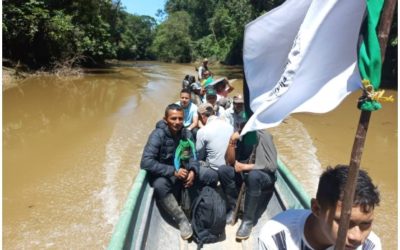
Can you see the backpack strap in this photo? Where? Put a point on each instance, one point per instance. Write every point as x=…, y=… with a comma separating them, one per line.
x=194, y=210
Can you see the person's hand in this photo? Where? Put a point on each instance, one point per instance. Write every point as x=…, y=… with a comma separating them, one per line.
x=181, y=174
x=238, y=167
x=190, y=179
x=235, y=136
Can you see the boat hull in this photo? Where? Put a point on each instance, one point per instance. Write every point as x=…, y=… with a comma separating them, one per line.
x=143, y=226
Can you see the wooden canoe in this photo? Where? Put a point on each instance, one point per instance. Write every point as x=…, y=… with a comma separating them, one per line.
x=141, y=225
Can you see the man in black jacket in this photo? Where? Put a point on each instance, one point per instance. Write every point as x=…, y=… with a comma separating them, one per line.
x=158, y=158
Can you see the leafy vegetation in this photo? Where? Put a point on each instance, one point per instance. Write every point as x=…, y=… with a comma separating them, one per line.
x=44, y=33
x=172, y=42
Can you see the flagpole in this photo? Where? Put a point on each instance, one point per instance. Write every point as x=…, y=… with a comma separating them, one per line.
x=359, y=140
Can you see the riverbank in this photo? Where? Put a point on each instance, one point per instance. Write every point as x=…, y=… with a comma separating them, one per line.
x=13, y=74
x=11, y=77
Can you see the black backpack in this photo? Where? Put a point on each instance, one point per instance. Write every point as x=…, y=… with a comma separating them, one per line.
x=208, y=216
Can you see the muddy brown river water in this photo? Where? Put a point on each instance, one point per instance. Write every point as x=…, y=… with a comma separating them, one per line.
x=72, y=147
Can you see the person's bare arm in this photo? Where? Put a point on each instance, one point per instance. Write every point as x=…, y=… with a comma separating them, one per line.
x=240, y=167
x=230, y=155
x=195, y=122
x=200, y=124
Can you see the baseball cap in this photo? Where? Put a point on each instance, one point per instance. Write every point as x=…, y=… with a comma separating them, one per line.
x=238, y=99
x=211, y=91
x=203, y=107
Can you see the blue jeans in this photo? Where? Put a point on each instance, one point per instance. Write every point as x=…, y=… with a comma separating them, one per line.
x=258, y=181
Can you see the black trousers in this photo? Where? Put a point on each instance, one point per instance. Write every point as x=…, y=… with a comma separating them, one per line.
x=166, y=185
x=257, y=181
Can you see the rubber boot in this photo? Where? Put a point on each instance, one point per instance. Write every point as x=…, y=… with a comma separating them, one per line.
x=171, y=206
x=250, y=209
x=230, y=193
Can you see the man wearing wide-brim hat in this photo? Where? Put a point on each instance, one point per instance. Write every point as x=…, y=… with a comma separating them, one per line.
x=223, y=86
x=235, y=115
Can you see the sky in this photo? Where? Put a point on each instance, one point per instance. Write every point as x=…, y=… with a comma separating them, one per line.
x=143, y=7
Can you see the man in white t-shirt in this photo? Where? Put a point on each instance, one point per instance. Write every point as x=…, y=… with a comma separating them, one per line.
x=213, y=138
x=211, y=145
x=317, y=229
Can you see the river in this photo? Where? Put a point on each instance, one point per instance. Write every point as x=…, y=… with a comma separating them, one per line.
x=72, y=147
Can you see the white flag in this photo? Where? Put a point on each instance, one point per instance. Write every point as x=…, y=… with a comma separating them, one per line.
x=301, y=57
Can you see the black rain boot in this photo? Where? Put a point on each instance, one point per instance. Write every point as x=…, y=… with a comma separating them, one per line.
x=230, y=193
x=171, y=206
x=250, y=209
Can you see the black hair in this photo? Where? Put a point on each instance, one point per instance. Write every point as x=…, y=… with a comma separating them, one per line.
x=172, y=106
x=185, y=90
x=332, y=184
x=191, y=79
x=221, y=84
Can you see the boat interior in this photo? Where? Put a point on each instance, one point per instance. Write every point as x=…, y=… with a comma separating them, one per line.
x=151, y=229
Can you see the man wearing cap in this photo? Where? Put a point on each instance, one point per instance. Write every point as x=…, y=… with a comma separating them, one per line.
x=235, y=114
x=211, y=145
x=211, y=97
x=224, y=102
x=203, y=68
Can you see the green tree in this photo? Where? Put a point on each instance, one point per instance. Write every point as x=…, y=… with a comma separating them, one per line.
x=172, y=40
x=199, y=11
x=42, y=32
x=137, y=34
x=22, y=23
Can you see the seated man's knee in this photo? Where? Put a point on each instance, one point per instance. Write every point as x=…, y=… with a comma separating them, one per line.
x=258, y=181
x=162, y=186
x=253, y=176
x=226, y=172
x=208, y=177
x=226, y=175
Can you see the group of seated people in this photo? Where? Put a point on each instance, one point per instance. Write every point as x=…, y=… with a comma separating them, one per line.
x=214, y=94
x=219, y=157
x=205, y=80
x=232, y=113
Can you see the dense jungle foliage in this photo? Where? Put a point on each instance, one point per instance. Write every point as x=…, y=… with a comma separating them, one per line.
x=47, y=33
x=44, y=33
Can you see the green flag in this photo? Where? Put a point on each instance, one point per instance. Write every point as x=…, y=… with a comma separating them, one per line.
x=369, y=61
